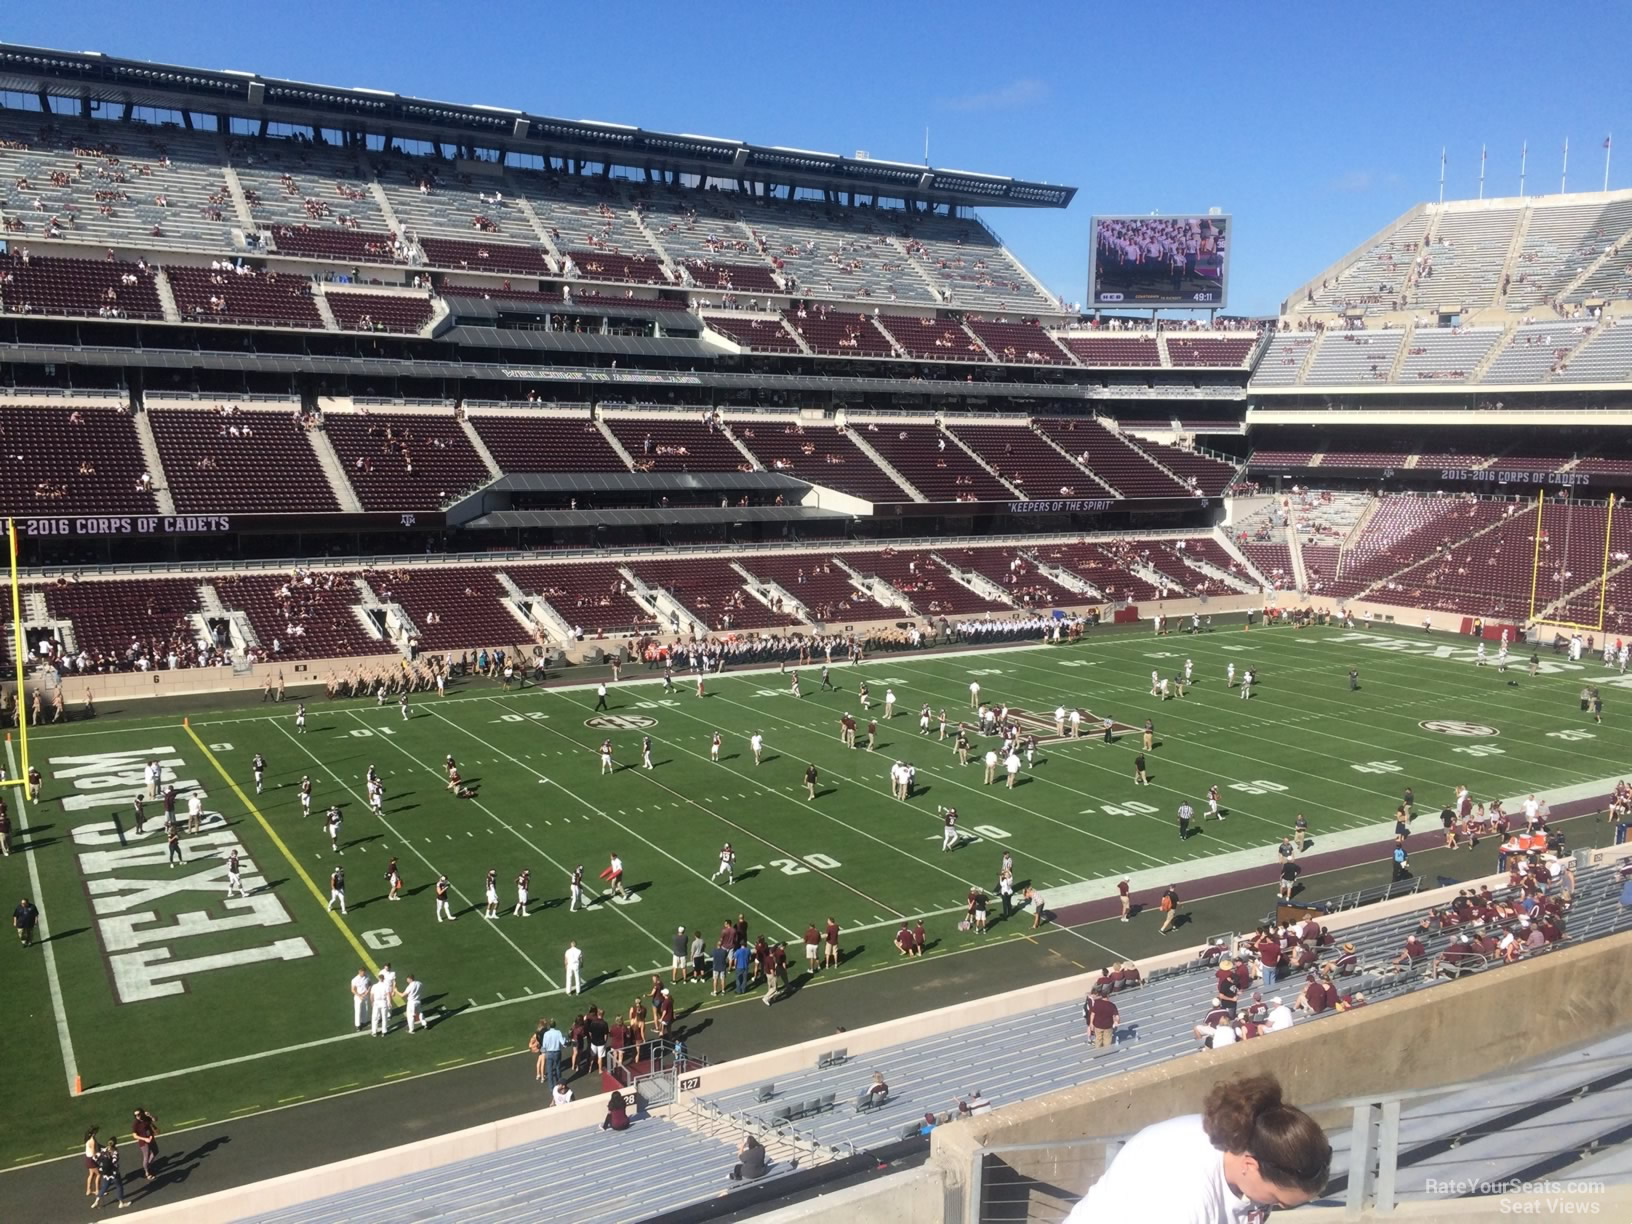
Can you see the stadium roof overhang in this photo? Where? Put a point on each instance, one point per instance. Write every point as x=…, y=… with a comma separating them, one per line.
x=95, y=77
x=499, y=520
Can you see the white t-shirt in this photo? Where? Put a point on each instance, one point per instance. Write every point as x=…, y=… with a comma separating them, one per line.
x=1279, y=1018
x=1169, y=1172
x=574, y=957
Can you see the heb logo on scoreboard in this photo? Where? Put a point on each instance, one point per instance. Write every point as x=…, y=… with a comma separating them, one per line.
x=143, y=918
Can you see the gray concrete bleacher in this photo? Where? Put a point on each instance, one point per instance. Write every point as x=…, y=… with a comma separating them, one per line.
x=160, y=185
x=1352, y=358
x=1509, y=1128
x=1283, y=359
x=1376, y=279
x=1561, y=242
x=1463, y=261
x=588, y=1177
x=1605, y=357
x=1446, y=354
x=1534, y=350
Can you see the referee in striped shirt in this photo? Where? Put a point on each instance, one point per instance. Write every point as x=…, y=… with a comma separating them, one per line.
x=1186, y=812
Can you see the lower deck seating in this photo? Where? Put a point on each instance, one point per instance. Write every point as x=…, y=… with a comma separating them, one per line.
x=593, y=597
x=452, y=608
x=925, y=581
x=301, y=616
x=715, y=592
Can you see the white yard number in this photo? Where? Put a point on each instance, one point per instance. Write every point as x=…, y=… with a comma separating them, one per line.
x=984, y=671
x=1481, y=750
x=220, y=747
x=1257, y=787
x=793, y=867
x=1076, y=663
x=661, y=702
x=1237, y=649
x=1131, y=808
x=362, y=732
x=1378, y=767
x=533, y=717
x=1571, y=736
x=382, y=939
x=991, y=831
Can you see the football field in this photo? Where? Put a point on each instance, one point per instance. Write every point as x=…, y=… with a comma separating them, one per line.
x=155, y=989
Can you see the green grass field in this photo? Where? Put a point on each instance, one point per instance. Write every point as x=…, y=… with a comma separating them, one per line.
x=158, y=991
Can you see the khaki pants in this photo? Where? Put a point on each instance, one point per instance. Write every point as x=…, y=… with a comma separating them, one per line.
x=1103, y=1036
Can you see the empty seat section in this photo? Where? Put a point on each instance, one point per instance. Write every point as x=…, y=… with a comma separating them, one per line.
x=936, y=467
x=592, y=596
x=378, y=312
x=547, y=444
x=817, y=582
x=838, y=333
x=453, y=608
x=1102, y=350
x=103, y=288
x=1023, y=343
x=673, y=443
x=242, y=462
x=712, y=590
x=1016, y=574
x=933, y=339
x=1027, y=461
x=1223, y=352
x=822, y=455
x=70, y=461
x=925, y=581
x=1107, y=456
x=403, y=461
x=760, y=335
x=263, y=299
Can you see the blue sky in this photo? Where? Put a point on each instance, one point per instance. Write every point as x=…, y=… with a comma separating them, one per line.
x=1313, y=124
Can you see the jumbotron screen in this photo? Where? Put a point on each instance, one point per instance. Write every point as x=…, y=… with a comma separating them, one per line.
x=1157, y=262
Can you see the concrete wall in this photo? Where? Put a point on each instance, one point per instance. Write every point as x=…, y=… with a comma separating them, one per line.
x=1439, y=1036
x=300, y=676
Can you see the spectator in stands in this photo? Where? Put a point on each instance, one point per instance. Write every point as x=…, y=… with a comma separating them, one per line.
x=1247, y=1149
x=617, y=1113
x=1279, y=1017
x=751, y=1162
x=876, y=1093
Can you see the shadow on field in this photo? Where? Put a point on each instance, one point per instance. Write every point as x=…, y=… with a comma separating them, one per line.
x=175, y=1170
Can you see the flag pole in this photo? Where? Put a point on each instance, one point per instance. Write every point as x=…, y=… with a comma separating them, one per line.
x=1608, y=141
x=1564, y=174
x=1442, y=174
x=1481, y=172
x=1524, y=160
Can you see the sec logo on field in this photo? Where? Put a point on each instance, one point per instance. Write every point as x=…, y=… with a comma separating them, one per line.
x=1450, y=726
x=620, y=722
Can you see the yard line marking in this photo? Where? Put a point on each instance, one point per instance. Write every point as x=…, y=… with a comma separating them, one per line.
x=450, y=1062
x=502, y=1050
x=408, y=844
x=33, y=1155
x=243, y=1109
x=311, y=885
x=395, y=1074
x=195, y=1121
x=299, y=1096
x=65, y=1042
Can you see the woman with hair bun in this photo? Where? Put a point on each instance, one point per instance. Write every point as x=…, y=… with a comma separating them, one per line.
x=1246, y=1154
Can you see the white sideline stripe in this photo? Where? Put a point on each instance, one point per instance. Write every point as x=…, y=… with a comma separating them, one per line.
x=642, y=974
x=69, y=1063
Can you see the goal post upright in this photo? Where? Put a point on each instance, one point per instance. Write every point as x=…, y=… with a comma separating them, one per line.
x=1535, y=557
x=1603, y=578
x=18, y=646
